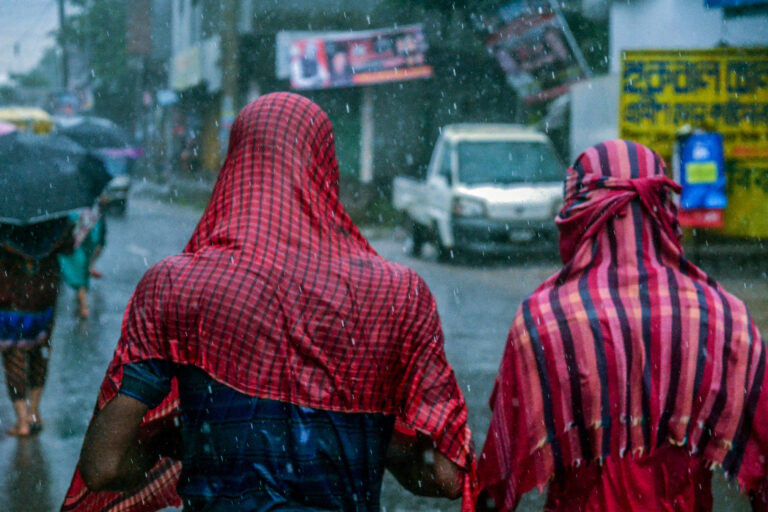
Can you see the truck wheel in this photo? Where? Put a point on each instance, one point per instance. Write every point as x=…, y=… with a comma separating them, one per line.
x=444, y=254
x=118, y=207
x=417, y=240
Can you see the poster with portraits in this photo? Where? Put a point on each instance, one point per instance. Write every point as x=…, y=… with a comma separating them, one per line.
x=359, y=58
x=531, y=44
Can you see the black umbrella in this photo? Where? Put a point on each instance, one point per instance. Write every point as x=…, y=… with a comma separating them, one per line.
x=46, y=177
x=36, y=240
x=94, y=133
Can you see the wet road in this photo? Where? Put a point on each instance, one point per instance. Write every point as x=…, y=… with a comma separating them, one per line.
x=477, y=301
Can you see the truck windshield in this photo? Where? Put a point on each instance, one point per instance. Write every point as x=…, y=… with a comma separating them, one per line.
x=508, y=162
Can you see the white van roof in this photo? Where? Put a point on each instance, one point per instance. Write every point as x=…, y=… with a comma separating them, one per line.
x=492, y=131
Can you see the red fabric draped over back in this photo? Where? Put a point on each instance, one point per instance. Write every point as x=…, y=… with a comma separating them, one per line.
x=628, y=347
x=279, y=296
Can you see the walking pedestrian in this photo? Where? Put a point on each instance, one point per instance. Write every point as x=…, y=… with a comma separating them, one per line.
x=77, y=267
x=299, y=361
x=29, y=284
x=630, y=373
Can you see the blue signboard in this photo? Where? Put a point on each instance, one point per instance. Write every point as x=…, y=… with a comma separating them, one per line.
x=702, y=172
x=734, y=3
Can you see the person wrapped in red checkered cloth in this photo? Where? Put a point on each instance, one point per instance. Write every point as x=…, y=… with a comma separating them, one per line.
x=278, y=361
x=630, y=373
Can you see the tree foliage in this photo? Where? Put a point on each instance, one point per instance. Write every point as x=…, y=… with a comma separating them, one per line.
x=98, y=30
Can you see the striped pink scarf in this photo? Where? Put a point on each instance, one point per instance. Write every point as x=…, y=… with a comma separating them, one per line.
x=628, y=347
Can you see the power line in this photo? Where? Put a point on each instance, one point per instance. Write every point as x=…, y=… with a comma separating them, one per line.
x=64, y=56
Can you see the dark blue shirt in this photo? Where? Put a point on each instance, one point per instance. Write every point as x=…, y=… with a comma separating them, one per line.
x=247, y=453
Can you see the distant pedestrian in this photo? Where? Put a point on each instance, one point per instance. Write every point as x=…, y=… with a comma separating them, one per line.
x=300, y=363
x=29, y=284
x=630, y=373
x=77, y=267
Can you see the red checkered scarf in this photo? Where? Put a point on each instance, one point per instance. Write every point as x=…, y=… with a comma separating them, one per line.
x=278, y=295
x=628, y=346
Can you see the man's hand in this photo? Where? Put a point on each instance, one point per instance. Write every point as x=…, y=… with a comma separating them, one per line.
x=114, y=457
x=422, y=469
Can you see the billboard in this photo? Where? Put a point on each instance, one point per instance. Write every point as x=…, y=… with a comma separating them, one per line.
x=734, y=3
x=722, y=90
x=534, y=48
x=359, y=58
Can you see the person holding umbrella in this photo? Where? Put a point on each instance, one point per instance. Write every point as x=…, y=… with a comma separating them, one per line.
x=42, y=179
x=110, y=143
x=28, y=290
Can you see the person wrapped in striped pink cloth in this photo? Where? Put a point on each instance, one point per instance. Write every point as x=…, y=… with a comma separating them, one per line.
x=629, y=374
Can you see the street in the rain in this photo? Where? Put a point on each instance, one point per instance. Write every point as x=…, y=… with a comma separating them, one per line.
x=477, y=299
x=470, y=140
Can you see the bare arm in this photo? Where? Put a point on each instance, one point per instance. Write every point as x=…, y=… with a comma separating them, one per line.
x=115, y=455
x=421, y=469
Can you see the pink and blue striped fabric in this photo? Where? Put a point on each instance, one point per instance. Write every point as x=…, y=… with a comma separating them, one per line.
x=628, y=347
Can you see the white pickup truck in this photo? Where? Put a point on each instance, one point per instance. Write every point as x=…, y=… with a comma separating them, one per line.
x=489, y=188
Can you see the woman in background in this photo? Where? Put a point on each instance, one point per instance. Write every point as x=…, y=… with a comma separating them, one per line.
x=77, y=268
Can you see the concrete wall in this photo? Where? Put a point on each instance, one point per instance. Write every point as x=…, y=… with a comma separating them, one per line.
x=679, y=24
x=185, y=27
x=594, y=113
x=162, y=10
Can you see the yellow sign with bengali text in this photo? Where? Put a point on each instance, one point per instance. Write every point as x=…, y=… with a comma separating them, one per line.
x=747, y=211
x=722, y=90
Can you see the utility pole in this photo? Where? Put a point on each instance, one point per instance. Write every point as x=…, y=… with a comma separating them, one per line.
x=64, y=55
x=230, y=67
x=366, y=135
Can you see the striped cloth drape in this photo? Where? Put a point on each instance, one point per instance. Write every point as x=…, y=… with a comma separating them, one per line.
x=628, y=347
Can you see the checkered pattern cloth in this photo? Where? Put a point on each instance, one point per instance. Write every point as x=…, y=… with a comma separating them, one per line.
x=628, y=347
x=279, y=296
